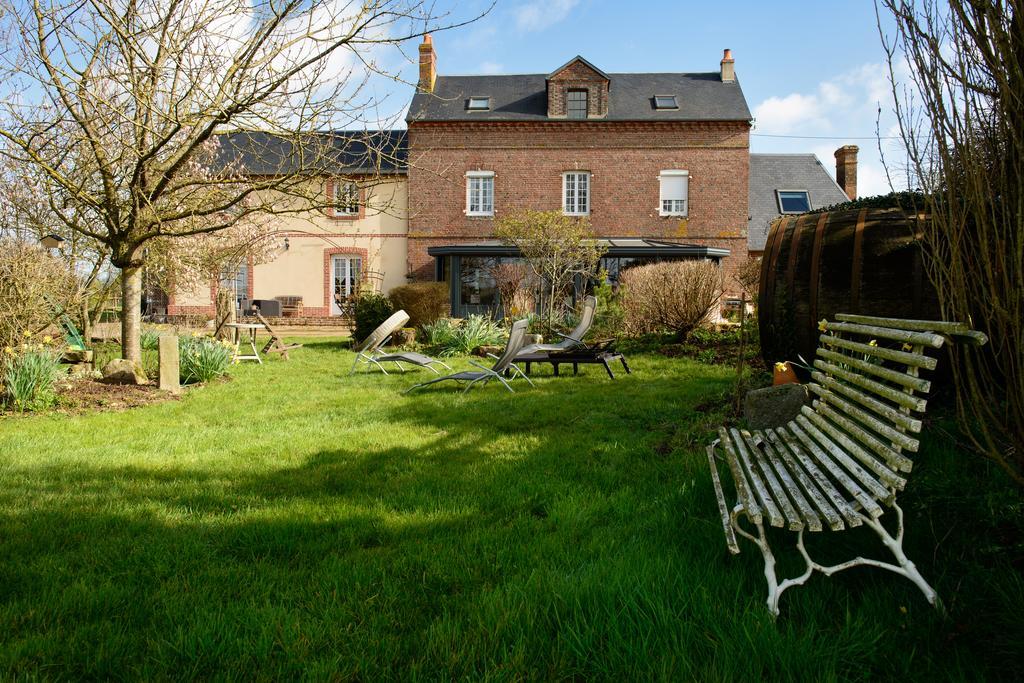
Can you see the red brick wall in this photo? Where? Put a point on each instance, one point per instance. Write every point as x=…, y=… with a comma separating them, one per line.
x=528, y=160
x=578, y=76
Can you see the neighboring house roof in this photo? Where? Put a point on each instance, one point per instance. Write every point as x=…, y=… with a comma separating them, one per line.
x=337, y=152
x=770, y=173
x=701, y=97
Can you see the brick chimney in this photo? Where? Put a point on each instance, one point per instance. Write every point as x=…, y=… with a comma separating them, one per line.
x=728, y=67
x=846, y=169
x=428, y=65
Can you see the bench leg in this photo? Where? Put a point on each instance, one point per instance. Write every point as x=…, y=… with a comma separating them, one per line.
x=895, y=545
x=904, y=566
x=775, y=589
x=608, y=368
x=624, y=365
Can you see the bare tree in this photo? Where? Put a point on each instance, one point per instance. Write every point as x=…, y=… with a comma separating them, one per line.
x=139, y=113
x=961, y=116
x=26, y=215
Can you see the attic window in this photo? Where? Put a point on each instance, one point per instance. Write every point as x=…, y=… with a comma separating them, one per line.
x=794, y=201
x=665, y=102
x=478, y=104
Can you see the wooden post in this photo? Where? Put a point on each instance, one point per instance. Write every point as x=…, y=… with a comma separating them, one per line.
x=169, y=372
x=741, y=359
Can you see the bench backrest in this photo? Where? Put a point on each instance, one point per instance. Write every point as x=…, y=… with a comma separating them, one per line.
x=869, y=392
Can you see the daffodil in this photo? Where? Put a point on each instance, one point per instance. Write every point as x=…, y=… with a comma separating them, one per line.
x=8, y=350
x=908, y=347
x=27, y=334
x=780, y=367
x=822, y=325
x=47, y=339
x=873, y=342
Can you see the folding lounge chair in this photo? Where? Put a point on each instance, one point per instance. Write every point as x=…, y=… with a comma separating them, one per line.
x=370, y=351
x=569, y=341
x=503, y=363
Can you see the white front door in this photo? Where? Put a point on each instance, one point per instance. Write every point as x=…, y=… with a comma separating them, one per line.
x=345, y=272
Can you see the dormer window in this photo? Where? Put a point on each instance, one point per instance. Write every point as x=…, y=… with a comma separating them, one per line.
x=665, y=102
x=478, y=104
x=576, y=104
x=794, y=201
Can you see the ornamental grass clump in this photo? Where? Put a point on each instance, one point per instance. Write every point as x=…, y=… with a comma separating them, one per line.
x=149, y=338
x=202, y=359
x=450, y=338
x=29, y=374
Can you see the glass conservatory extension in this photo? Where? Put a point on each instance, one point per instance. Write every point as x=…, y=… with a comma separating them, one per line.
x=467, y=268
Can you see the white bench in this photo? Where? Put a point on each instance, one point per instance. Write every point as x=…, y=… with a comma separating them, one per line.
x=842, y=461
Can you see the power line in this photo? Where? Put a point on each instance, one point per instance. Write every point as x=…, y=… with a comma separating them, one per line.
x=827, y=137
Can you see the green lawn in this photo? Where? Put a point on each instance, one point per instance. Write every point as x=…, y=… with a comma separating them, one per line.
x=296, y=522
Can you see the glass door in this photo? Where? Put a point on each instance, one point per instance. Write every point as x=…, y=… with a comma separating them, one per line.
x=345, y=273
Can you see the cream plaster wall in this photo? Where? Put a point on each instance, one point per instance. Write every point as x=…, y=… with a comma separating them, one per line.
x=378, y=235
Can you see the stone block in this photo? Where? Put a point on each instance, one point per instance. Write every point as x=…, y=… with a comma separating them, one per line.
x=121, y=371
x=169, y=364
x=774, y=406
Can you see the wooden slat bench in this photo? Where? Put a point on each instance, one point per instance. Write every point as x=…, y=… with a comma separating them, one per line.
x=842, y=461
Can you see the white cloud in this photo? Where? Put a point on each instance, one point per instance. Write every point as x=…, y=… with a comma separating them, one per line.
x=843, y=109
x=490, y=68
x=781, y=115
x=537, y=15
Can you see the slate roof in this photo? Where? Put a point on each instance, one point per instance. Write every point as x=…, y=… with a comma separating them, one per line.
x=701, y=97
x=772, y=172
x=337, y=152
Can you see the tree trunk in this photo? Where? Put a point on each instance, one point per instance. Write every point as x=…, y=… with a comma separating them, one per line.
x=131, y=313
x=86, y=321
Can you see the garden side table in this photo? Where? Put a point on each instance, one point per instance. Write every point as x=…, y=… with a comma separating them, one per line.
x=240, y=330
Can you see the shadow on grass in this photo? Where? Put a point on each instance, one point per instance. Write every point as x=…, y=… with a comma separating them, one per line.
x=531, y=535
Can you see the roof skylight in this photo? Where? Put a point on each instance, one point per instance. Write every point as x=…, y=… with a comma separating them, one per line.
x=794, y=201
x=480, y=103
x=665, y=102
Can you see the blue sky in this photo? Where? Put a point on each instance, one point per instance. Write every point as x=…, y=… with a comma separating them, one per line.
x=808, y=68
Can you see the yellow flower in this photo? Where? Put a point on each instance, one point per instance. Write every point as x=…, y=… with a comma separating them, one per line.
x=27, y=334
x=873, y=342
x=8, y=350
x=908, y=347
x=47, y=339
x=822, y=325
x=780, y=367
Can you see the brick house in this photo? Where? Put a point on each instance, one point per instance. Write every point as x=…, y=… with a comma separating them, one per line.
x=322, y=255
x=659, y=163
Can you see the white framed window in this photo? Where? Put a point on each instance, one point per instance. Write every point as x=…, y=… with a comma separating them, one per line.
x=674, y=193
x=346, y=198
x=576, y=193
x=794, y=201
x=478, y=103
x=346, y=273
x=480, y=193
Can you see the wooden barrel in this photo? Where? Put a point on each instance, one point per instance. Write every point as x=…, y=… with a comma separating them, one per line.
x=865, y=261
